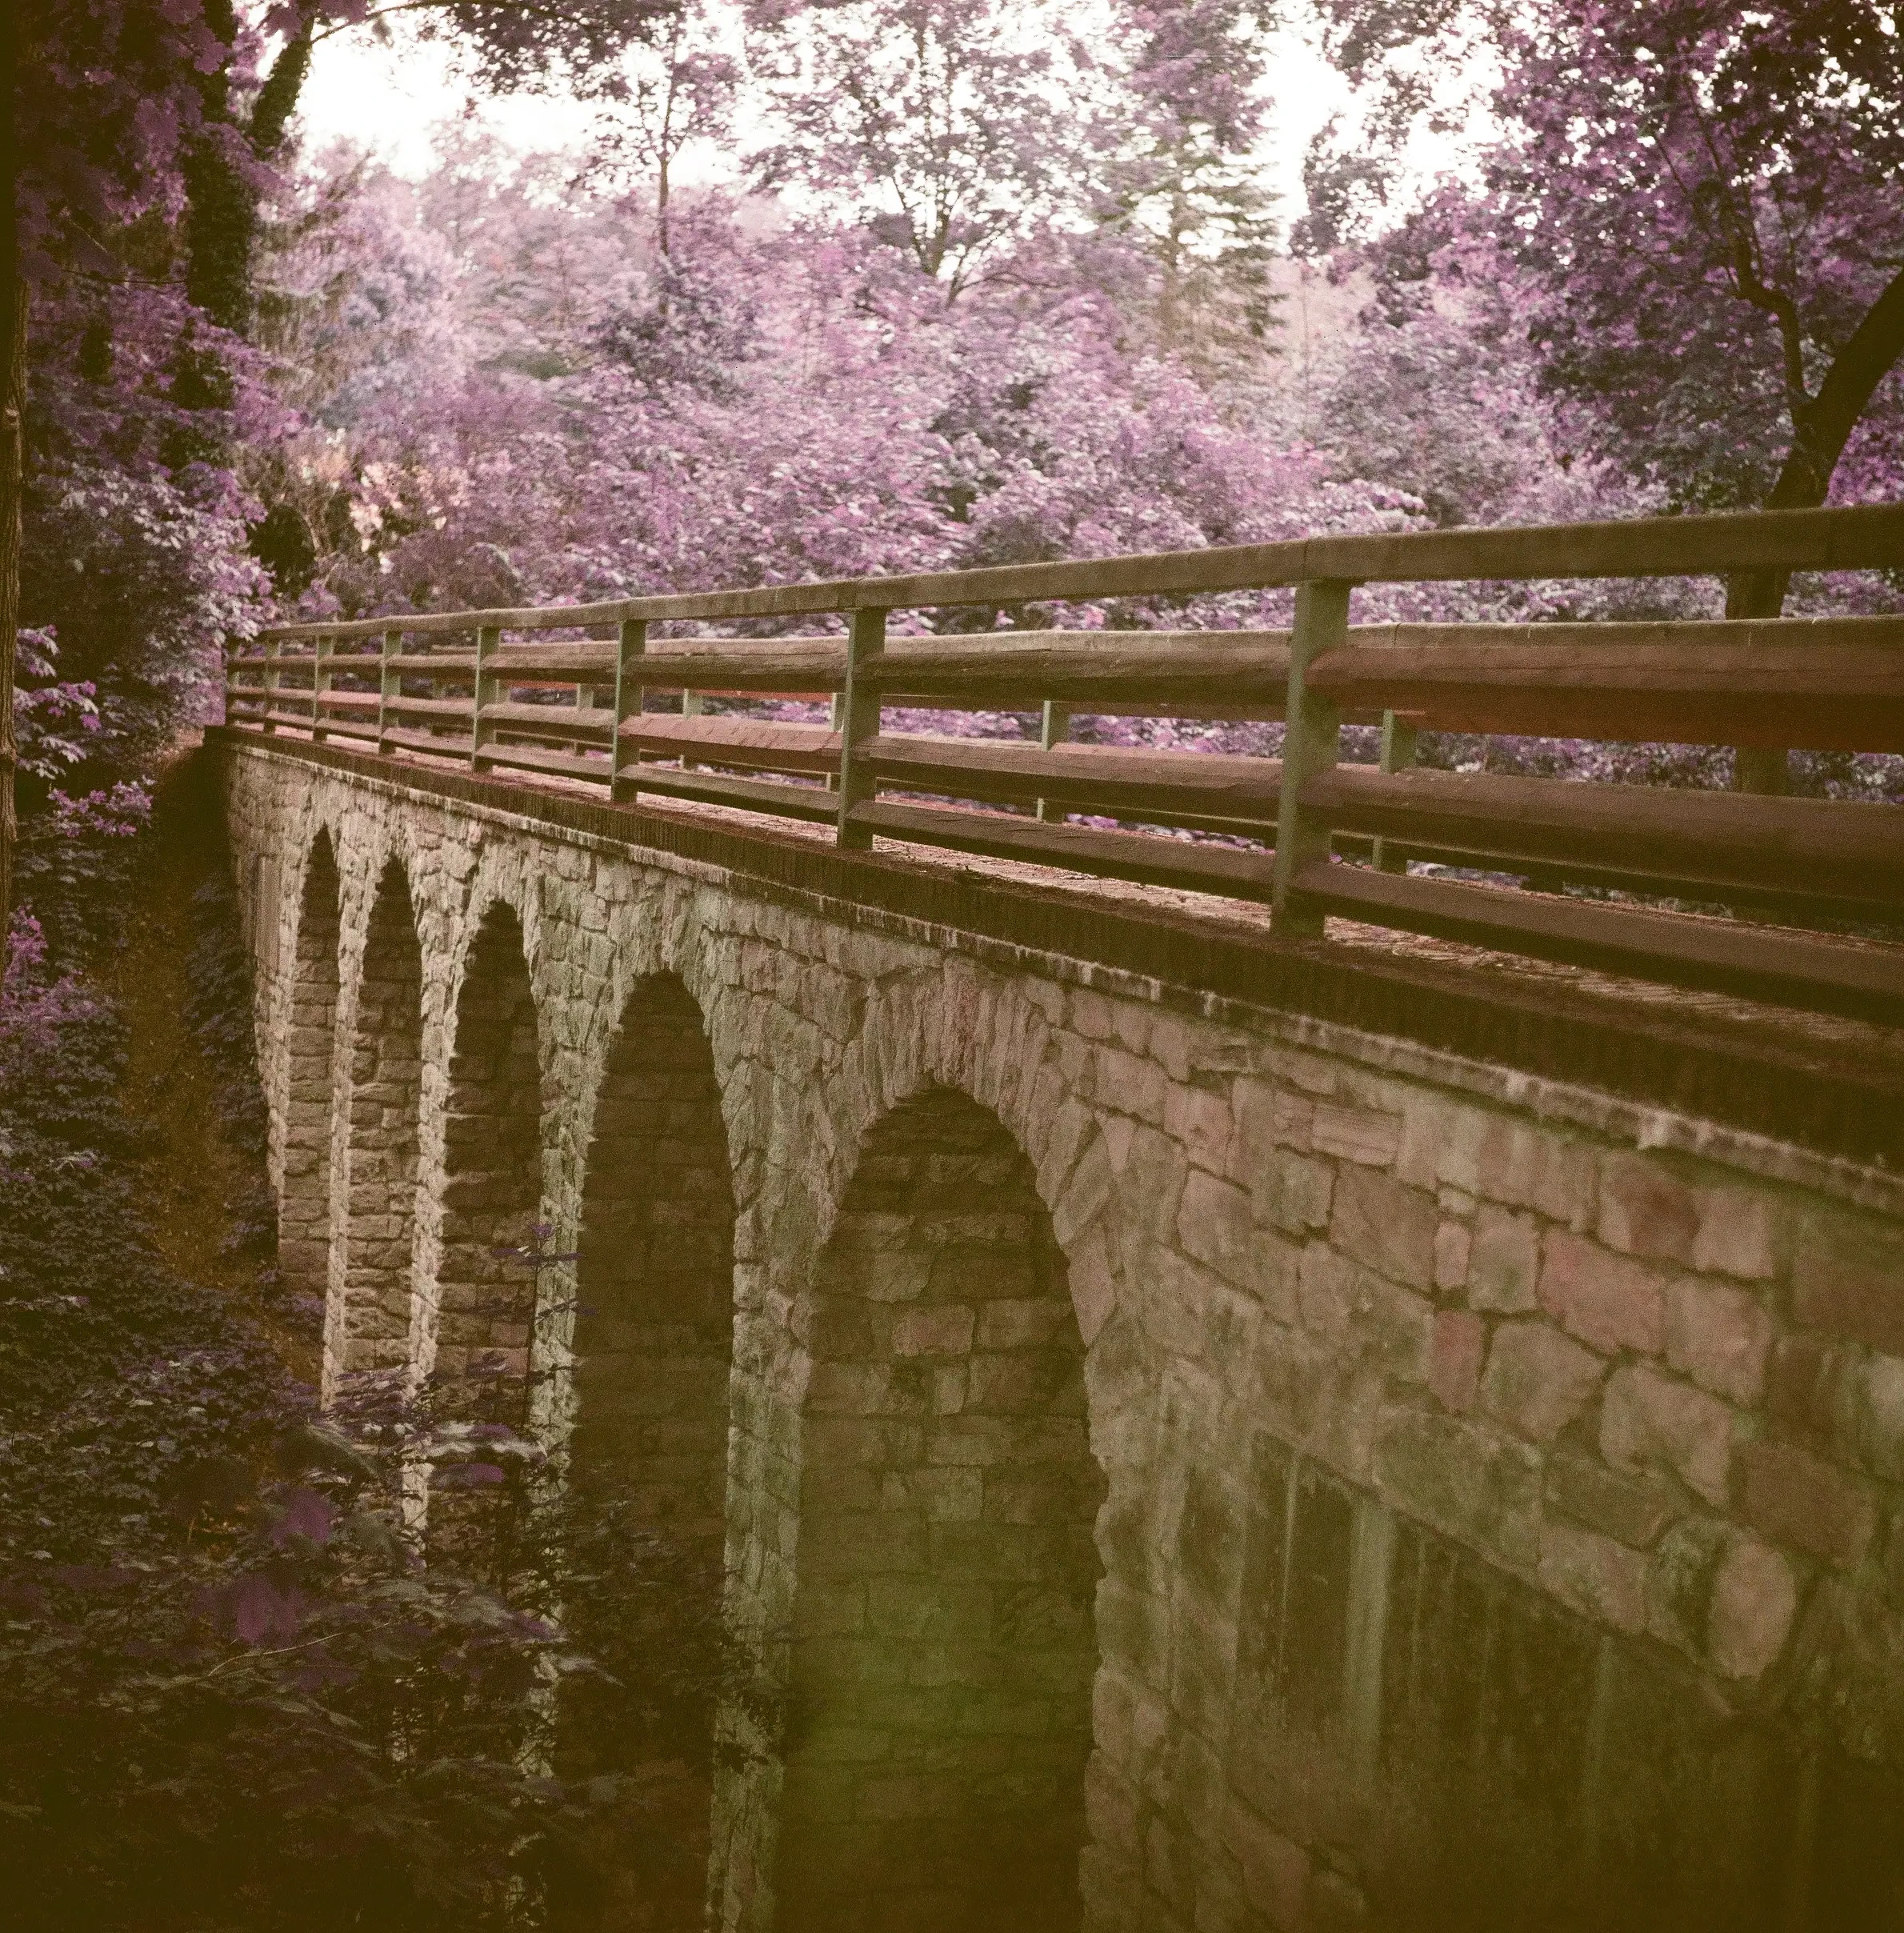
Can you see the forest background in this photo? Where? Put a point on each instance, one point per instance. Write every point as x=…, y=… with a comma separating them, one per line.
x=828, y=288
x=903, y=285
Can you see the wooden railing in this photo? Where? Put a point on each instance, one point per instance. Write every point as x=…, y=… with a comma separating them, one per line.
x=1311, y=835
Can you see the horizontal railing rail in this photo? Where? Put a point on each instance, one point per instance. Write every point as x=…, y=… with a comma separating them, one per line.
x=1754, y=885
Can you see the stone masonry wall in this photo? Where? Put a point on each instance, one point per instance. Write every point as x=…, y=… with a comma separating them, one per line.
x=1503, y=1512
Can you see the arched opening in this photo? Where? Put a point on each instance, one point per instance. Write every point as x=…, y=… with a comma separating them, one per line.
x=304, y=1199
x=943, y=1640
x=647, y=1463
x=492, y=1185
x=654, y=1327
x=369, y=1305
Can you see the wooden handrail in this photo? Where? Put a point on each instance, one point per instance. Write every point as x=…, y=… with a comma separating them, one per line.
x=1316, y=837
x=1860, y=537
x=1721, y=841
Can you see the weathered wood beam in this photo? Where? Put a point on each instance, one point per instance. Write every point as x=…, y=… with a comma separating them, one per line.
x=1842, y=538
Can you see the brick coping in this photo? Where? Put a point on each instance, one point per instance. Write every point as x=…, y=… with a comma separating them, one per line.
x=1795, y=1097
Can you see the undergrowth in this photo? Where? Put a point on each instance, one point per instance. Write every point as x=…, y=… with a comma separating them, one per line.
x=237, y=1691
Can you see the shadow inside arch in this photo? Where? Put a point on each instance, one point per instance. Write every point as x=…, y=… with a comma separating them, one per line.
x=492, y=1184
x=653, y=1338
x=647, y=1406
x=943, y=1636
x=304, y=1199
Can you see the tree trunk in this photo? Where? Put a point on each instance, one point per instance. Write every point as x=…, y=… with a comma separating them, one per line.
x=12, y=386
x=278, y=98
x=1819, y=436
x=221, y=209
x=12, y=399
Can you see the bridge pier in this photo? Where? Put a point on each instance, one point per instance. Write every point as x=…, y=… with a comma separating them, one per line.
x=1495, y=1478
x=373, y=1233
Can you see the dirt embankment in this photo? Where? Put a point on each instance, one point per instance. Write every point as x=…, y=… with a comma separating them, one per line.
x=181, y=978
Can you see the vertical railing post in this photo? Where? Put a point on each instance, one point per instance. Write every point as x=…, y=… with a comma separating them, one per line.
x=482, y=690
x=320, y=686
x=389, y=685
x=631, y=647
x=1398, y=739
x=1054, y=728
x=1756, y=769
x=690, y=708
x=271, y=674
x=859, y=723
x=836, y=718
x=1311, y=743
x=585, y=701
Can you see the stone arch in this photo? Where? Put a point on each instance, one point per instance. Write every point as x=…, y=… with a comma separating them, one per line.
x=942, y=1640
x=653, y=1338
x=642, y=1411
x=480, y=1327
x=311, y=1041
x=372, y=1248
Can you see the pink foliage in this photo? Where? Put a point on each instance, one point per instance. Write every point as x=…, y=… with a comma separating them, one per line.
x=945, y=327
x=119, y=811
x=36, y=1006
x=770, y=408
x=1706, y=196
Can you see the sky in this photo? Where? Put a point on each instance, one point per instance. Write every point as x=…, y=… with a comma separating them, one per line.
x=387, y=97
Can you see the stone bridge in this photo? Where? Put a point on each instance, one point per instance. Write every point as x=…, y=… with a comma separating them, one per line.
x=1206, y=1431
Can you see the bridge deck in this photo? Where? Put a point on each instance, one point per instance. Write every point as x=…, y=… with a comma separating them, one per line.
x=1832, y=1083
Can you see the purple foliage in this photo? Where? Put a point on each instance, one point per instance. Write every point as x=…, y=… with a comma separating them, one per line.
x=36, y=1005
x=307, y=1513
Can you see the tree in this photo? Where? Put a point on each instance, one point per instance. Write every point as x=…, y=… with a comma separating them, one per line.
x=762, y=408
x=1703, y=197
x=13, y=402
x=503, y=46
x=123, y=114
x=1187, y=181
x=102, y=100
x=1717, y=188
x=680, y=89
x=950, y=128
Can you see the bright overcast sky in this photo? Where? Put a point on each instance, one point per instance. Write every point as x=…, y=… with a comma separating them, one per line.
x=386, y=98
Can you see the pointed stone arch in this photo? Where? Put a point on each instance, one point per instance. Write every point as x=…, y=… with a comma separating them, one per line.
x=310, y=1036
x=943, y=1645
x=484, y=1287
x=372, y=1259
